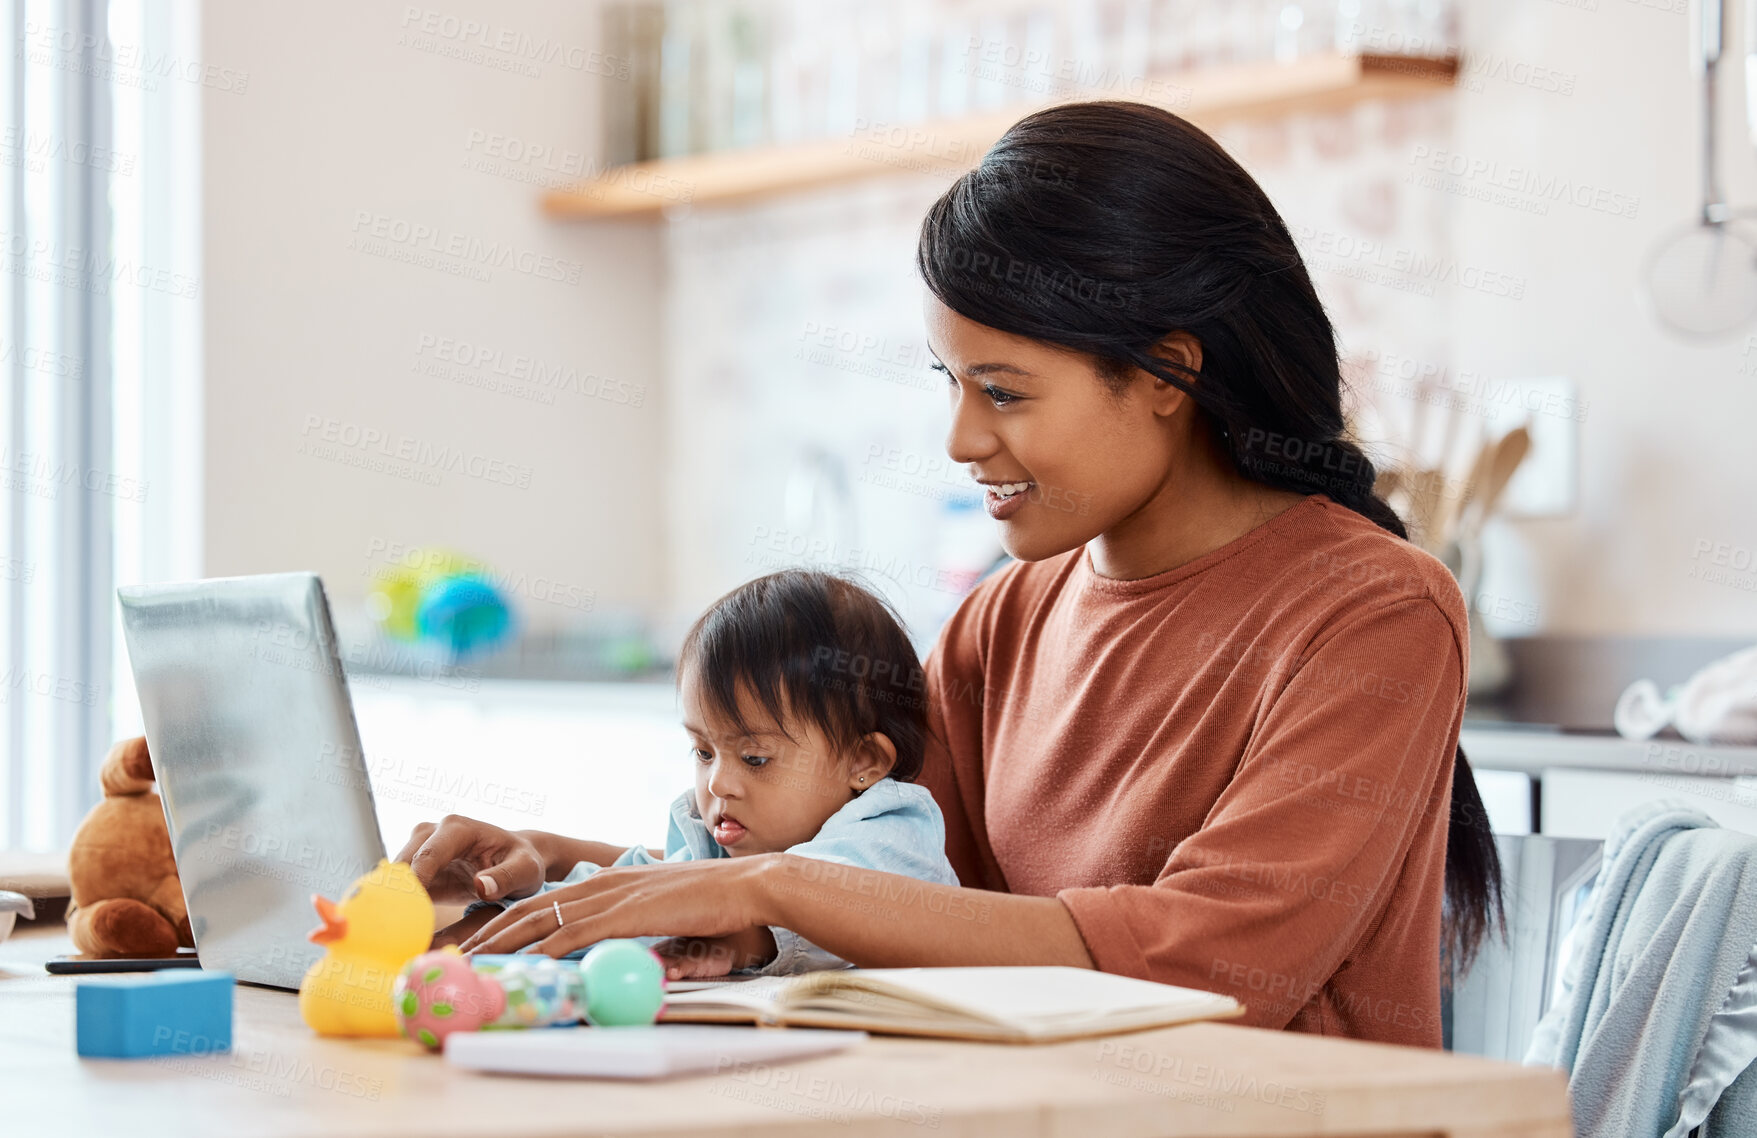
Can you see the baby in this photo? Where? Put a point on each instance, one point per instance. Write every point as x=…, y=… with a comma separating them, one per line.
x=804, y=703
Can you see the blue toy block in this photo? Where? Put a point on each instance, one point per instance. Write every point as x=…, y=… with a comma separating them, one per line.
x=173, y=1012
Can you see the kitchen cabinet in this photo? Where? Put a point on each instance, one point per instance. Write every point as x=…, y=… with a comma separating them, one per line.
x=1587, y=804
x=1585, y=782
x=1506, y=798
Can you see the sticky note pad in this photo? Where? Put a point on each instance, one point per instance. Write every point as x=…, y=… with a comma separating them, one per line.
x=174, y=1012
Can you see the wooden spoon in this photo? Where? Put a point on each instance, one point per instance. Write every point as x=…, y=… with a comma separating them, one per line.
x=1510, y=451
x=1446, y=524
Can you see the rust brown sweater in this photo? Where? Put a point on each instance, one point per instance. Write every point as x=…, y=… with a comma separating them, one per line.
x=1235, y=774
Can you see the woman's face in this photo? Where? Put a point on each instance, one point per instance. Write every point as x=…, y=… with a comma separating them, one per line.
x=1078, y=457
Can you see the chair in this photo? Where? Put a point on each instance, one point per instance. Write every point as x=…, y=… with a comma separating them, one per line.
x=1655, y=1017
x=1492, y=1010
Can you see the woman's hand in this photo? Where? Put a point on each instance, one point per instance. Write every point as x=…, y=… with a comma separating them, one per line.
x=697, y=899
x=463, y=860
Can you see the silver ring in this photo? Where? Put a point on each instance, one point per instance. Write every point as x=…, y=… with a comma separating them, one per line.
x=559, y=923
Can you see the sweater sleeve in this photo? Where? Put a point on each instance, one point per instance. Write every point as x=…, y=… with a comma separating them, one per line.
x=1347, y=770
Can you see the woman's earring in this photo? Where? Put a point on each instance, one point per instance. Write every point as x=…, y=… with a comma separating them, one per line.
x=862, y=778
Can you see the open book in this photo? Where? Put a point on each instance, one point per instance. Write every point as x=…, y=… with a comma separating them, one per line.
x=1006, y=1005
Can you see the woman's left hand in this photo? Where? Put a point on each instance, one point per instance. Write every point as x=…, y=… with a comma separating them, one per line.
x=714, y=898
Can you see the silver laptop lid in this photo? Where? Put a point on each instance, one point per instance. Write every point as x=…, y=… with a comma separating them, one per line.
x=258, y=761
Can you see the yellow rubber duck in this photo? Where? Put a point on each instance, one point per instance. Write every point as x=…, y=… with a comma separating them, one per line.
x=384, y=921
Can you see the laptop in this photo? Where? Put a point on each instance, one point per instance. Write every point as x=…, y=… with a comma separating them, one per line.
x=258, y=762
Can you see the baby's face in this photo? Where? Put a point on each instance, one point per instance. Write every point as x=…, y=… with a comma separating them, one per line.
x=762, y=792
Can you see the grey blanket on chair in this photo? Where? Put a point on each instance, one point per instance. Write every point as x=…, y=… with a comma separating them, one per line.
x=1671, y=923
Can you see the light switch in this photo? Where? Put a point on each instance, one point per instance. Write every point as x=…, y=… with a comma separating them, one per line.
x=1545, y=484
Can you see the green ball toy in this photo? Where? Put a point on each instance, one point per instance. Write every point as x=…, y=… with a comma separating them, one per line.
x=624, y=982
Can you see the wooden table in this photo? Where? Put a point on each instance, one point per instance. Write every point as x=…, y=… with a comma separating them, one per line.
x=1199, y=1079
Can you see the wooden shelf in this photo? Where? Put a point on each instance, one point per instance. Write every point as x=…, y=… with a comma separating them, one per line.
x=946, y=147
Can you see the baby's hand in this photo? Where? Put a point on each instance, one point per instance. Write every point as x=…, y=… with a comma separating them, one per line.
x=707, y=957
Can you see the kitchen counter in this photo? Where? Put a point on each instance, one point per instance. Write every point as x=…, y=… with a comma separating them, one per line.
x=1532, y=749
x=1548, y=758
x=1572, y=683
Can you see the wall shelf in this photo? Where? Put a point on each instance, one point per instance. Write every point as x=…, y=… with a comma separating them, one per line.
x=1207, y=96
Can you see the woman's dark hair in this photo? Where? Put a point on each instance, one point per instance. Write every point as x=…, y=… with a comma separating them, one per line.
x=813, y=648
x=1104, y=228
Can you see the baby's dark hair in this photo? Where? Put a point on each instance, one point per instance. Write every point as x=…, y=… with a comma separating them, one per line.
x=819, y=648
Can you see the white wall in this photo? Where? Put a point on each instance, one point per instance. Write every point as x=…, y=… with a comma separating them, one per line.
x=351, y=109
x=1578, y=102
x=796, y=332
x=339, y=117
x=1665, y=454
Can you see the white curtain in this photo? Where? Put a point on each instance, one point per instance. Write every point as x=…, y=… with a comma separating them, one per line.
x=100, y=296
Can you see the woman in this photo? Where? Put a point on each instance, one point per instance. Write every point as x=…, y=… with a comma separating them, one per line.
x=1205, y=730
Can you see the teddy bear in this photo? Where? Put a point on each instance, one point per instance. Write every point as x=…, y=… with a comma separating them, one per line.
x=127, y=901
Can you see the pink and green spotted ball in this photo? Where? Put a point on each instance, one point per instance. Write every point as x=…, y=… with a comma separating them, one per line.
x=438, y=993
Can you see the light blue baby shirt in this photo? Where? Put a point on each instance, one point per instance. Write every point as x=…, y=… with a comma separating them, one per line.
x=895, y=827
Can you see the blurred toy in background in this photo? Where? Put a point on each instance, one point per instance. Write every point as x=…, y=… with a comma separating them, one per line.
x=444, y=599
x=618, y=983
x=384, y=921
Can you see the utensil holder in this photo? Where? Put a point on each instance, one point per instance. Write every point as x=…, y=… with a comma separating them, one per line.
x=1491, y=668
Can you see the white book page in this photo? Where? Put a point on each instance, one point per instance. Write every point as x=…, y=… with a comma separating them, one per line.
x=756, y=993
x=1039, y=993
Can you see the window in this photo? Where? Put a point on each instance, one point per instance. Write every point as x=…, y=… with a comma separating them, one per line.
x=99, y=349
